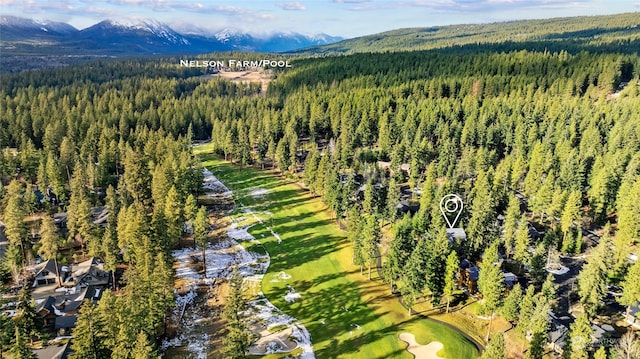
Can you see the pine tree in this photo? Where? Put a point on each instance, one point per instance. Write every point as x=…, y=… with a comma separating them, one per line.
x=511, y=308
x=311, y=168
x=571, y=212
x=631, y=287
x=592, y=279
x=496, y=349
x=369, y=201
x=527, y=308
x=491, y=282
x=483, y=212
x=143, y=349
x=414, y=275
x=110, y=235
x=173, y=216
x=393, y=197
x=19, y=348
x=436, y=265
x=88, y=334
x=237, y=340
x=12, y=261
x=399, y=251
x=629, y=214
x=450, y=283
x=354, y=236
x=370, y=240
x=522, y=239
x=26, y=314
x=200, y=234
x=427, y=198
x=79, y=220
x=512, y=216
x=49, y=241
x=14, y=213
x=548, y=290
x=580, y=333
x=601, y=353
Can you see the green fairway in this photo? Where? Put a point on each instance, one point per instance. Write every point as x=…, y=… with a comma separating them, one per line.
x=347, y=315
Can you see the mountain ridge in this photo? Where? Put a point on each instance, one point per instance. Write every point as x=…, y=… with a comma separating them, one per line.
x=114, y=37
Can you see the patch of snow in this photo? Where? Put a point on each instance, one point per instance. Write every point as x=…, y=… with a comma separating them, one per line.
x=562, y=270
x=258, y=192
x=280, y=276
x=277, y=236
x=214, y=187
x=239, y=234
x=220, y=259
x=291, y=297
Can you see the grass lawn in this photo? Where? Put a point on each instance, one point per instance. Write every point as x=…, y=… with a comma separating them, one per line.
x=347, y=315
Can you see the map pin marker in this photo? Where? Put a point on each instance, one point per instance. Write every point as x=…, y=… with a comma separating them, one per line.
x=451, y=205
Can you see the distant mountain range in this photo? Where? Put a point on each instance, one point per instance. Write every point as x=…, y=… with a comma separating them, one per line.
x=20, y=36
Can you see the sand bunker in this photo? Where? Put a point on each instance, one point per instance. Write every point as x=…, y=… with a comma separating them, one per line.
x=421, y=351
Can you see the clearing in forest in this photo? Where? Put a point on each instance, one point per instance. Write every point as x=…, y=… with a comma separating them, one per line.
x=311, y=277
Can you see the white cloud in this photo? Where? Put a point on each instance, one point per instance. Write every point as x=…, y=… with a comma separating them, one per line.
x=292, y=6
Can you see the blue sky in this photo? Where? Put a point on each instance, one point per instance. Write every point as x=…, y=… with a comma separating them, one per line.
x=347, y=18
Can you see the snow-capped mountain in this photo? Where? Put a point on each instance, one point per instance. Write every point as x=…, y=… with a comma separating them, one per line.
x=16, y=27
x=142, y=36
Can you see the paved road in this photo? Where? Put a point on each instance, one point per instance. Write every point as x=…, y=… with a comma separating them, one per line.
x=566, y=284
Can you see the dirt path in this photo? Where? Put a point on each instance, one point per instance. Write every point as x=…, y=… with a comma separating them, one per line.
x=421, y=351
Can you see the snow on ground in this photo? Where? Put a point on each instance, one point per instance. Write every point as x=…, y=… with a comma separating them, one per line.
x=558, y=271
x=214, y=187
x=292, y=296
x=220, y=259
x=262, y=311
x=277, y=236
x=258, y=192
x=280, y=276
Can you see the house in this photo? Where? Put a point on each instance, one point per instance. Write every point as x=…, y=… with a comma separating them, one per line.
x=70, y=303
x=386, y=166
x=404, y=207
x=99, y=215
x=557, y=335
x=456, y=235
x=46, y=273
x=632, y=316
x=65, y=324
x=60, y=219
x=89, y=272
x=53, y=352
x=510, y=279
x=468, y=275
x=46, y=311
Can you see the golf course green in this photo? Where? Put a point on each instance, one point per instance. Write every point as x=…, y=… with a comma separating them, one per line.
x=347, y=315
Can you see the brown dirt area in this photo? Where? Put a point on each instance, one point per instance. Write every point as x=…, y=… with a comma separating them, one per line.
x=244, y=77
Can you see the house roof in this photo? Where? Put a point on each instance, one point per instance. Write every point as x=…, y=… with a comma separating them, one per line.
x=82, y=268
x=456, y=233
x=49, y=266
x=45, y=304
x=474, y=273
x=66, y=322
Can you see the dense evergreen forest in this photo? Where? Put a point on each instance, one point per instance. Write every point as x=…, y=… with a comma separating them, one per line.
x=559, y=130
x=618, y=33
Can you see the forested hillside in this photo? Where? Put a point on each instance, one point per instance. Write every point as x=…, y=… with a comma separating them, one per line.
x=559, y=130
x=612, y=33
